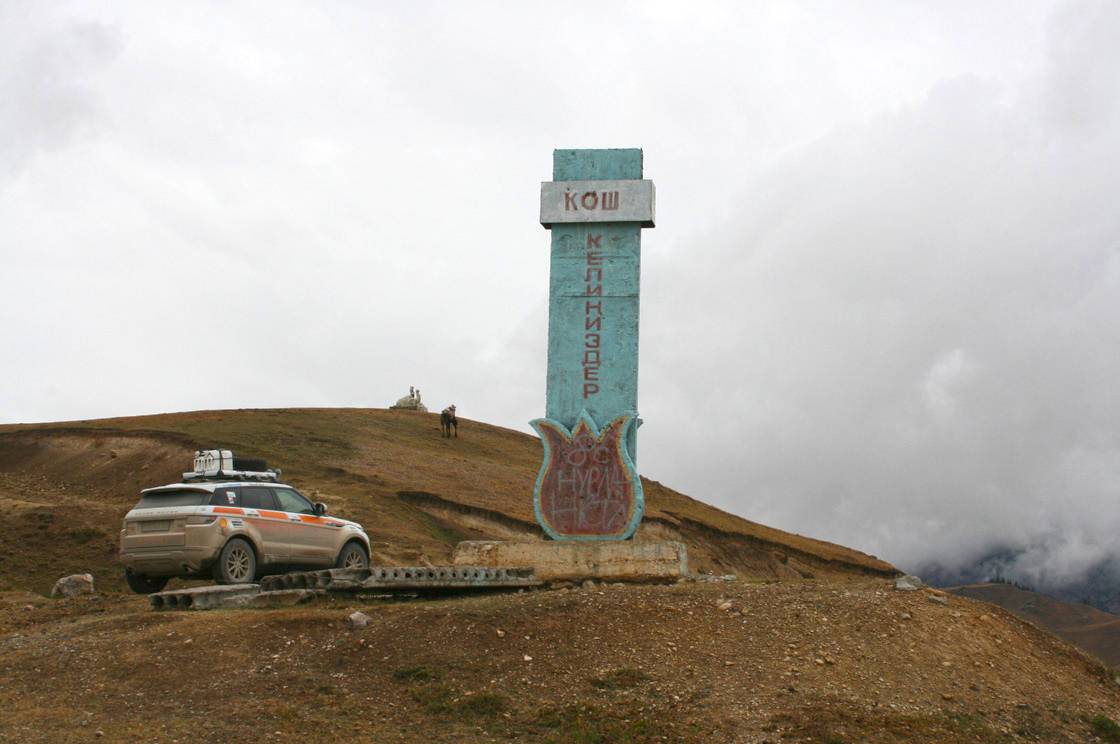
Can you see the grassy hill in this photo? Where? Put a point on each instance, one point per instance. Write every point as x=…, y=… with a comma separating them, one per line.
x=810, y=645
x=417, y=494
x=1087, y=627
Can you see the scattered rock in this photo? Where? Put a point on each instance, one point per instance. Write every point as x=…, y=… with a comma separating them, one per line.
x=73, y=585
x=526, y=657
x=501, y=633
x=588, y=584
x=940, y=599
x=908, y=584
x=724, y=606
x=906, y=616
x=358, y=620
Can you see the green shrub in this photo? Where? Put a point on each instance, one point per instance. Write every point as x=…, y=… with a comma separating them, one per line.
x=620, y=679
x=416, y=674
x=485, y=705
x=1105, y=727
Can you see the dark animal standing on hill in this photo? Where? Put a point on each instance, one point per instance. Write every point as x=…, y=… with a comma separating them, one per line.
x=448, y=422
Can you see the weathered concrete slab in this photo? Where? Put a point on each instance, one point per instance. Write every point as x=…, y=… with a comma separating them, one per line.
x=303, y=586
x=203, y=597
x=234, y=595
x=282, y=598
x=405, y=578
x=556, y=560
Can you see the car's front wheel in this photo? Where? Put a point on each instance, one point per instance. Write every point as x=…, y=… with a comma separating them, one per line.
x=145, y=584
x=237, y=563
x=352, y=555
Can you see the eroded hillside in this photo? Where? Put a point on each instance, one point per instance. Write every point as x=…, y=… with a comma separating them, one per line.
x=811, y=644
x=1087, y=627
x=417, y=494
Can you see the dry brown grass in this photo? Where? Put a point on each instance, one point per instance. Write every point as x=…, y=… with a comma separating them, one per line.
x=359, y=461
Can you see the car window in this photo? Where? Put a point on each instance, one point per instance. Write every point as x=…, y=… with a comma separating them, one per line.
x=257, y=497
x=160, y=499
x=226, y=496
x=290, y=501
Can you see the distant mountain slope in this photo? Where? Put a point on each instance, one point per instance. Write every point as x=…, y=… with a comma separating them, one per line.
x=1086, y=627
x=69, y=484
x=1097, y=585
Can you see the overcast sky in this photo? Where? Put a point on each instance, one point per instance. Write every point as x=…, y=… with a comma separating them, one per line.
x=881, y=305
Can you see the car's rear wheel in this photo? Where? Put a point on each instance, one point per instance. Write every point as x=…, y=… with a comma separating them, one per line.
x=237, y=563
x=352, y=555
x=145, y=584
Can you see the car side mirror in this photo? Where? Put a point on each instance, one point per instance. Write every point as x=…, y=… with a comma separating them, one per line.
x=320, y=508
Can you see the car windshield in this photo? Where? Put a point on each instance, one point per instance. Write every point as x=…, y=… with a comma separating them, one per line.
x=159, y=499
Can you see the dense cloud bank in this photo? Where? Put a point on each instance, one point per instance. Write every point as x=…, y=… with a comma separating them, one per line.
x=882, y=304
x=910, y=331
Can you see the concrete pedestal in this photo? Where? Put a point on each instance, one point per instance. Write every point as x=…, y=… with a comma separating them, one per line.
x=557, y=560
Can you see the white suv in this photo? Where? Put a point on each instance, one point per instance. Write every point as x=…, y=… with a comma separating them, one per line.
x=235, y=523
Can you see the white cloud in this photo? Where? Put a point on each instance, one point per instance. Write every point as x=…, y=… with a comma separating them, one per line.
x=878, y=308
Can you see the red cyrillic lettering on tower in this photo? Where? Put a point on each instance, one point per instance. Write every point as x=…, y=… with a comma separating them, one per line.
x=592, y=311
x=570, y=202
x=610, y=200
x=590, y=200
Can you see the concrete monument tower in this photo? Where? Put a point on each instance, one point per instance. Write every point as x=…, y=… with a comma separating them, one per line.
x=596, y=206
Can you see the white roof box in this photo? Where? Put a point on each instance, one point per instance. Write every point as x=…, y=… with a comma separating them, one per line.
x=222, y=464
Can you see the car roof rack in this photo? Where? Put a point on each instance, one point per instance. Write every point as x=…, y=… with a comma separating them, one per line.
x=270, y=476
x=218, y=465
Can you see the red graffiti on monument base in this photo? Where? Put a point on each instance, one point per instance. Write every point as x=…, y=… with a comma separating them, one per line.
x=586, y=486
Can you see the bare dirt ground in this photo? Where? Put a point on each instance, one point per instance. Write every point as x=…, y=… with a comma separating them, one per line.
x=796, y=661
x=1086, y=627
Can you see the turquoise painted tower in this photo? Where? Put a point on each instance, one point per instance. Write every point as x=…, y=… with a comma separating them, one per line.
x=596, y=206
